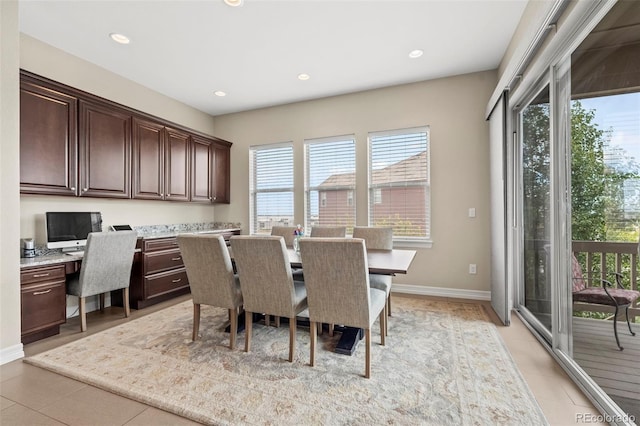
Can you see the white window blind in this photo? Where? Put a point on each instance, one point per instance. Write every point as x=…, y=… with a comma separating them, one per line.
x=329, y=179
x=399, y=193
x=271, y=187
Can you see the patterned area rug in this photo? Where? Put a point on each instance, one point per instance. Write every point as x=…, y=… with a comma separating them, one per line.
x=444, y=364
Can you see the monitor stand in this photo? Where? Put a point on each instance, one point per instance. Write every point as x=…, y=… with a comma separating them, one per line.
x=71, y=250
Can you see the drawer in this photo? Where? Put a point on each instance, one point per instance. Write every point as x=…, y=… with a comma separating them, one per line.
x=162, y=261
x=159, y=244
x=39, y=274
x=43, y=305
x=165, y=282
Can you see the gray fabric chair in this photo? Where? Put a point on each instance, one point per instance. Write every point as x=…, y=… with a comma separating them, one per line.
x=210, y=272
x=267, y=283
x=337, y=279
x=286, y=232
x=106, y=266
x=378, y=239
x=328, y=232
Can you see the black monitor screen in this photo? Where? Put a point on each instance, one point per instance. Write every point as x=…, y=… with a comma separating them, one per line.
x=69, y=226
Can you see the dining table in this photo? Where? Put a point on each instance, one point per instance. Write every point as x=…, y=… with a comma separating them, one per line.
x=383, y=262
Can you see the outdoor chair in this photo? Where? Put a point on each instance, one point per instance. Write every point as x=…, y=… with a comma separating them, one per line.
x=606, y=295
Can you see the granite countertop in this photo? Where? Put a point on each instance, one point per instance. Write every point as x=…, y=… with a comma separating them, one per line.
x=52, y=257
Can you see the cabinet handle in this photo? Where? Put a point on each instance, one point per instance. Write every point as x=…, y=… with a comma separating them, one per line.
x=41, y=275
x=85, y=189
x=73, y=188
x=37, y=293
x=168, y=195
x=176, y=258
x=176, y=281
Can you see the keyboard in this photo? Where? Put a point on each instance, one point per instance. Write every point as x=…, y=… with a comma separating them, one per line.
x=79, y=253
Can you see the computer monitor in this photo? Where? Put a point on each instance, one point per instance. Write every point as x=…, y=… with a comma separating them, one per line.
x=68, y=230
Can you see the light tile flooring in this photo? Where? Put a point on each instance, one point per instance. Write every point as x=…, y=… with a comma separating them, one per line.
x=33, y=396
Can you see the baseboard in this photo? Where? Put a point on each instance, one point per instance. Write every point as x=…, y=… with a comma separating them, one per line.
x=11, y=353
x=441, y=292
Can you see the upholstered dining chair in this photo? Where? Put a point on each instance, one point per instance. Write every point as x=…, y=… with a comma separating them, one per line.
x=606, y=295
x=267, y=283
x=285, y=232
x=337, y=280
x=328, y=232
x=211, y=278
x=106, y=266
x=378, y=239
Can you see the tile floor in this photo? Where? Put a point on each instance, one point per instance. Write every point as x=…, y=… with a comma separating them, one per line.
x=33, y=396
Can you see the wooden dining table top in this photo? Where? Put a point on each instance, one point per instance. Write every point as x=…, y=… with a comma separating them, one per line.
x=385, y=262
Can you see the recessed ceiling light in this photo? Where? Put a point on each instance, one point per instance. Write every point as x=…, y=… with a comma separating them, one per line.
x=219, y=93
x=303, y=77
x=416, y=53
x=119, y=38
x=234, y=3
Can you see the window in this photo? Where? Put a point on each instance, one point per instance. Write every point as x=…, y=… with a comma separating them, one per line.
x=350, y=198
x=399, y=193
x=271, y=187
x=329, y=178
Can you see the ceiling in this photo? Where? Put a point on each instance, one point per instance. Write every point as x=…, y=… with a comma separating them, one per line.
x=187, y=50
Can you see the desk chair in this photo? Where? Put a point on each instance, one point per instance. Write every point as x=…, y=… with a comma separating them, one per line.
x=328, y=232
x=267, y=283
x=106, y=266
x=378, y=239
x=210, y=272
x=337, y=280
x=285, y=232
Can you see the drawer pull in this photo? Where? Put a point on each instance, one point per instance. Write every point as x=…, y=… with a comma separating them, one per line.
x=41, y=275
x=176, y=281
x=176, y=258
x=37, y=293
x=175, y=243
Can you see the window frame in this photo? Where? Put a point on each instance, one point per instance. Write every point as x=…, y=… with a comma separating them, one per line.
x=253, y=201
x=374, y=192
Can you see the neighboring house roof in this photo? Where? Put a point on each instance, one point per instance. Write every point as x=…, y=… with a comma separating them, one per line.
x=413, y=169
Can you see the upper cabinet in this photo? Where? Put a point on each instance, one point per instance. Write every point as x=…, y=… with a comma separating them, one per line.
x=48, y=140
x=75, y=143
x=104, y=151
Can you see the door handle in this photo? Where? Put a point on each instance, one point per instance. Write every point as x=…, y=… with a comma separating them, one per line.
x=37, y=293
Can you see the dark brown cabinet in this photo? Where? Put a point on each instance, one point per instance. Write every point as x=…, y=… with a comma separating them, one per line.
x=104, y=151
x=42, y=301
x=201, y=170
x=48, y=140
x=148, y=160
x=176, y=175
x=75, y=143
x=221, y=192
x=160, y=275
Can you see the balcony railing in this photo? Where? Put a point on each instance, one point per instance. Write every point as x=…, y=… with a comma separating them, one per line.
x=599, y=261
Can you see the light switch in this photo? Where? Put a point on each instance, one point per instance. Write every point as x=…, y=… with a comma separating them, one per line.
x=472, y=212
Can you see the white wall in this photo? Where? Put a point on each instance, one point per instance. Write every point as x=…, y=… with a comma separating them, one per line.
x=452, y=107
x=10, y=346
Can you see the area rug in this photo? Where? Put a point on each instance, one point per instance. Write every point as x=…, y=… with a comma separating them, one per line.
x=444, y=364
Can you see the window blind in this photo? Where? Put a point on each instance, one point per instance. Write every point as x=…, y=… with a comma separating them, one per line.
x=330, y=182
x=399, y=193
x=271, y=187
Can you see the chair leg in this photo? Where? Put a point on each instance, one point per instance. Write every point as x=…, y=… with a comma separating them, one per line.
x=386, y=315
x=83, y=313
x=125, y=302
x=233, y=327
x=389, y=304
x=267, y=320
x=331, y=329
x=312, y=351
x=292, y=338
x=367, y=362
x=277, y=321
x=248, y=324
x=615, y=328
x=102, y=302
x=628, y=323
x=383, y=326
x=196, y=321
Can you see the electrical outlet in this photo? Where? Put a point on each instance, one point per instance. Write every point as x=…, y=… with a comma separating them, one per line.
x=472, y=268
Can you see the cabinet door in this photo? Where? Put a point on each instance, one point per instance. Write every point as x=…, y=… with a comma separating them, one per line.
x=177, y=178
x=48, y=141
x=105, y=150
x=221, y=174
x=201, y=169
x=148, y=160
